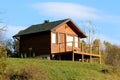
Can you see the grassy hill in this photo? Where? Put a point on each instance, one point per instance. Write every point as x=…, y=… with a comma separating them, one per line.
x=39, y=69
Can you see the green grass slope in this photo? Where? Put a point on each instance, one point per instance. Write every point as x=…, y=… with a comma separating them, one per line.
x=60, y=70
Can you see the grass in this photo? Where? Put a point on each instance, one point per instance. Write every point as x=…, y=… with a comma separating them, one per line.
x=61, y=70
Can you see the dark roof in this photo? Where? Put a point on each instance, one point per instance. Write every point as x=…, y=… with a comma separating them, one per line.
x=48, y=26
x=40, y=27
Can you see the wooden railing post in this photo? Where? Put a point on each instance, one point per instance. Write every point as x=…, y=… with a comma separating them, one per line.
x=99, y=49
x=82, y=48
x=90, y=46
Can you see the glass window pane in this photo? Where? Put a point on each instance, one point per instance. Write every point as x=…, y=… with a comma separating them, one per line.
x=54, y=40
x=69, y=40
x=76, y=41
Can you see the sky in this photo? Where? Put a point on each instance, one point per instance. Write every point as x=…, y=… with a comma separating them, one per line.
x=17, y=15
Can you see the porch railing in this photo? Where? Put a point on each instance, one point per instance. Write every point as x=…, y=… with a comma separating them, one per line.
x=85, y=48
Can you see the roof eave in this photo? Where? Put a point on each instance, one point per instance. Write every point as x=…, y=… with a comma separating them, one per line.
x=83, y=35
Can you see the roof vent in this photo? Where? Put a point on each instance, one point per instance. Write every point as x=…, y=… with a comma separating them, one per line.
x=46, y=21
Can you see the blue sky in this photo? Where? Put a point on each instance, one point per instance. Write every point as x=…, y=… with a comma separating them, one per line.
x=104, y=14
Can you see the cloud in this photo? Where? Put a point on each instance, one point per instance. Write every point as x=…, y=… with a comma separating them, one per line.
x=74, y=11
x=12, y=30
x=61, y=9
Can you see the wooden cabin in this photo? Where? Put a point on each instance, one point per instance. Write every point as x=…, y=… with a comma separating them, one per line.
x=55, y=40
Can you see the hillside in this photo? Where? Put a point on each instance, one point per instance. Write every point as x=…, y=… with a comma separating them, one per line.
x=39, y=69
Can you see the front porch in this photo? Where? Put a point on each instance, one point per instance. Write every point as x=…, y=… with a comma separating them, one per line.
x=82, y=53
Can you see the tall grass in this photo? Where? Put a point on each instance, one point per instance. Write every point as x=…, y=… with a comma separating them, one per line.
x=59, y=70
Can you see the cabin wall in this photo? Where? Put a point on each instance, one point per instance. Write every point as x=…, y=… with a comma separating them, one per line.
x=62, y=38
x=38, y=43
x=65, y=29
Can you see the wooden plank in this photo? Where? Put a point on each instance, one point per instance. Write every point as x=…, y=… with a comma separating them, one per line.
x=79, y=52
x=90, y=59
x=73, y=56
x=100, y=60
x=82, y=57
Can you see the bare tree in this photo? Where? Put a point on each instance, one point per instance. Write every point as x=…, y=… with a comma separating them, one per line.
x=2, y=30
x=90, y=30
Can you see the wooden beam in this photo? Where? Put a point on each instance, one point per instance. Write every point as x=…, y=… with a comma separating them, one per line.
x=82, y=49
x=90, y=59
x=59, y=56
x=90, y=47
x=100, y=60
x=73, y=56
x=82, y=57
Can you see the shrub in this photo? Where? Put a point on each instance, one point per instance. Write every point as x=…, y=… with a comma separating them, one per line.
x=28, y=72
x=113, y=58
x=3, y=63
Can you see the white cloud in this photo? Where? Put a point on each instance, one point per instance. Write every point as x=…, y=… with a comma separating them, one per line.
x=12, y=30
x=74, y=11
x=61, y=9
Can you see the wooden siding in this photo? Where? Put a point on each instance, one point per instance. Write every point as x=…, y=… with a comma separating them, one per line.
x=62, y=33
x=65, y=29
x=39, y=42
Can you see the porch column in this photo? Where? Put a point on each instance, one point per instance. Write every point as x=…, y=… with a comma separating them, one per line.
x=100, y=60
x=79, y=43
x=90, y=59
x=73, y=56
x=82, y=57
x=59, y=56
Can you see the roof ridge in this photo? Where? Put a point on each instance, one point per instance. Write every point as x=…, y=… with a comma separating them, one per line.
x=41, y=27
x=52, y=21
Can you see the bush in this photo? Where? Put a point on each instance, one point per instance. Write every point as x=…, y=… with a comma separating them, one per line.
x=28, y=72
x=113, y=58
x=3, y=63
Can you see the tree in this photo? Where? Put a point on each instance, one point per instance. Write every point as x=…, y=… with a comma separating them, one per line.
x=2, y=29
x=108, y=46
x=3, y=52
x=112, y=56
x=96, y=44
x=3, y=63
x=90, y=30
x=8, y=44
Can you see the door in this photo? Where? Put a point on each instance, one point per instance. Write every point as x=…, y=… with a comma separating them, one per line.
x=62, y=43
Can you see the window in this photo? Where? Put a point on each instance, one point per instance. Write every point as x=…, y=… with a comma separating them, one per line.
x=76, y=41
x=54, y=38
x=69, y=40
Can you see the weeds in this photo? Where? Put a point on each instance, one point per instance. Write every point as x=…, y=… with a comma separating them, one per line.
x=28, y=72
x=3, y=63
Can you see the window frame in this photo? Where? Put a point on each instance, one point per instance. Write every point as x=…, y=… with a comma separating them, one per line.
x=54, y=38
x=69, y=42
